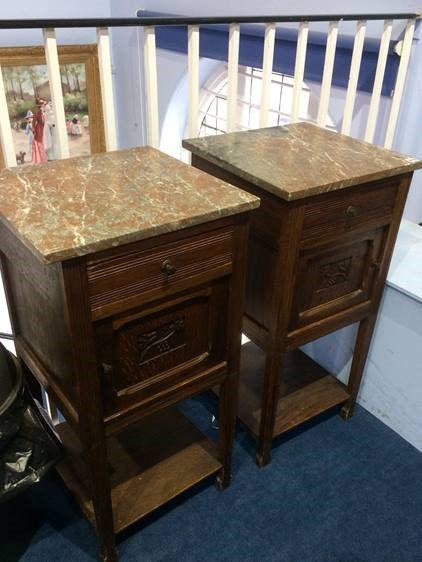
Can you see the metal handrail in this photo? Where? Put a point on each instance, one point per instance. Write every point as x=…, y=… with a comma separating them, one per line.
x=4, y=336
x=183, y=20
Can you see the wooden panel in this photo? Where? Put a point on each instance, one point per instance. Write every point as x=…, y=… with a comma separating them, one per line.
x=333, y=278
x=150, y=352
x=305, y=390
x=260, y=268
x=37, y=307
x=134, y=277
x=334, y=213
x=149, y=464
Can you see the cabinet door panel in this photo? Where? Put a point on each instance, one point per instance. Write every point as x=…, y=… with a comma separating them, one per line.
x=146, y=352
x=332, y=279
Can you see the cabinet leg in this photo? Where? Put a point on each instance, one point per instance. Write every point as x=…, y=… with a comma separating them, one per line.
x=227, y=423
x=363, y=341
x=97, y=466
x=263, y=457
x=223, y=480
x=273, y=367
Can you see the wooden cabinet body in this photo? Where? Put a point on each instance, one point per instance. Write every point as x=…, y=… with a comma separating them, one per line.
x=114, y=338
x=316, y=263
x=121, y=333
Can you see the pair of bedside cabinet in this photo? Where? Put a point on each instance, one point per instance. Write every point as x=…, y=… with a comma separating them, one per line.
x=125, y=275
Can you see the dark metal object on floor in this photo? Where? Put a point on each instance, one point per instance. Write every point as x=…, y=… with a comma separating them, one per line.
x=28, y=444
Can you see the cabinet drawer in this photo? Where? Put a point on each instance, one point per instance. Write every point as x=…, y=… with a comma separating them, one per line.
x=337, y=212
x=122, y=281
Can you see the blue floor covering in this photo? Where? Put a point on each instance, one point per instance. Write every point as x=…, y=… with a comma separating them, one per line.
x=334, y=492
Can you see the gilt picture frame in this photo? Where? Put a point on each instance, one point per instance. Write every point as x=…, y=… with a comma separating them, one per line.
x=25, y=79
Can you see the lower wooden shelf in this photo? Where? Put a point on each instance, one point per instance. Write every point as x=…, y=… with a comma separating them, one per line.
x=306, y=390
x=150, y=463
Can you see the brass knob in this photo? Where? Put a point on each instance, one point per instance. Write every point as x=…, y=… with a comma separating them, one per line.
x=351, y=211
x=167, y=267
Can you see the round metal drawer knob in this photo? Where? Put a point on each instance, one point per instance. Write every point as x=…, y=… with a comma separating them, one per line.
x=168, y=268
x=351, y=211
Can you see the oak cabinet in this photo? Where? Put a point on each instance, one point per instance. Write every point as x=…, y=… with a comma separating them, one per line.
x=122, y=311
x=318, y=255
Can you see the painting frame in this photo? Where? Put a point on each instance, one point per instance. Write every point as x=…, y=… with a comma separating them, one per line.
x=85, y=54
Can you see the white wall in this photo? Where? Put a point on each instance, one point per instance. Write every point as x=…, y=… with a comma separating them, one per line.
x=50, y=9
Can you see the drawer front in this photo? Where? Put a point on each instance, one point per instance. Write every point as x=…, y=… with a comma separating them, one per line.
x=334, y=279
x=338, y=212
x=122, y=281
x=145, y=353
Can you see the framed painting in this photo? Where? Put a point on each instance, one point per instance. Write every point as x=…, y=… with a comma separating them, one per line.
x=30, y=108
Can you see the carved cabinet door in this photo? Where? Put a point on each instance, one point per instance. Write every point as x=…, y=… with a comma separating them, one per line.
x=157, y=348
x=336, y=276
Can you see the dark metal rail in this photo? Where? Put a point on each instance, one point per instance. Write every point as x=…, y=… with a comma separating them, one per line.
x=182, y=20
x=4, y=336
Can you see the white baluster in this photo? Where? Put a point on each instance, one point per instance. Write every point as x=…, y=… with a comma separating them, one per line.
x=353, y=76
x=193, y=79
x=328, y=73
x=55, y=81
x=379, y=78
x=400, y=80
x=267, y=69
x=150, y=74
x=233, y=67
x=302, y=42
x=107, y=97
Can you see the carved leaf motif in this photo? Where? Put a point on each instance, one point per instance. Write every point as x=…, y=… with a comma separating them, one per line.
x=334, y=273
x=160, y=340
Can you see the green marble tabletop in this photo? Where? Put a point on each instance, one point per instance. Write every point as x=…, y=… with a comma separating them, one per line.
x=77, y=206
x=300, y=160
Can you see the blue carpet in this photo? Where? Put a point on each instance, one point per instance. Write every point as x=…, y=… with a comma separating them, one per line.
x=335, y=492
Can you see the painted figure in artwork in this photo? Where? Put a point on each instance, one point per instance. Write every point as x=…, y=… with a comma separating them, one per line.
x=38, y=123
x=29, y=117
x=50, y=132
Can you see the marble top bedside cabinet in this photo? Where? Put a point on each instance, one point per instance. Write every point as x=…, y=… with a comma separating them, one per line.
x=124, y=275
x=319, y=249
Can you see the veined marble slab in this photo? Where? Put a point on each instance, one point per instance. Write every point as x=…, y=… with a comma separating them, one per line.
x=73, y=207
x=301, y=159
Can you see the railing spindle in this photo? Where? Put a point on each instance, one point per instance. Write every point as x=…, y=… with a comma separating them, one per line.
x=379, y=78
x=6, y=137
x=267, y=69
x=55, y=81
x=150, y=75
x=233, y=67
x=400, y=80
x=302, y=43
x=193, y=79
x=353, y=76
x=327, y=76
x=106, y=80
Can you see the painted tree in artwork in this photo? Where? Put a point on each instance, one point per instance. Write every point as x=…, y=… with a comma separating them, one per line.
x=34, y=77
x=75, y=72
x=19, y=76
x=8, y=81
x=64, y=70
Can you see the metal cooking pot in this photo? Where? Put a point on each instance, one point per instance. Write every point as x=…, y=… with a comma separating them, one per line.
x=11, y=380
